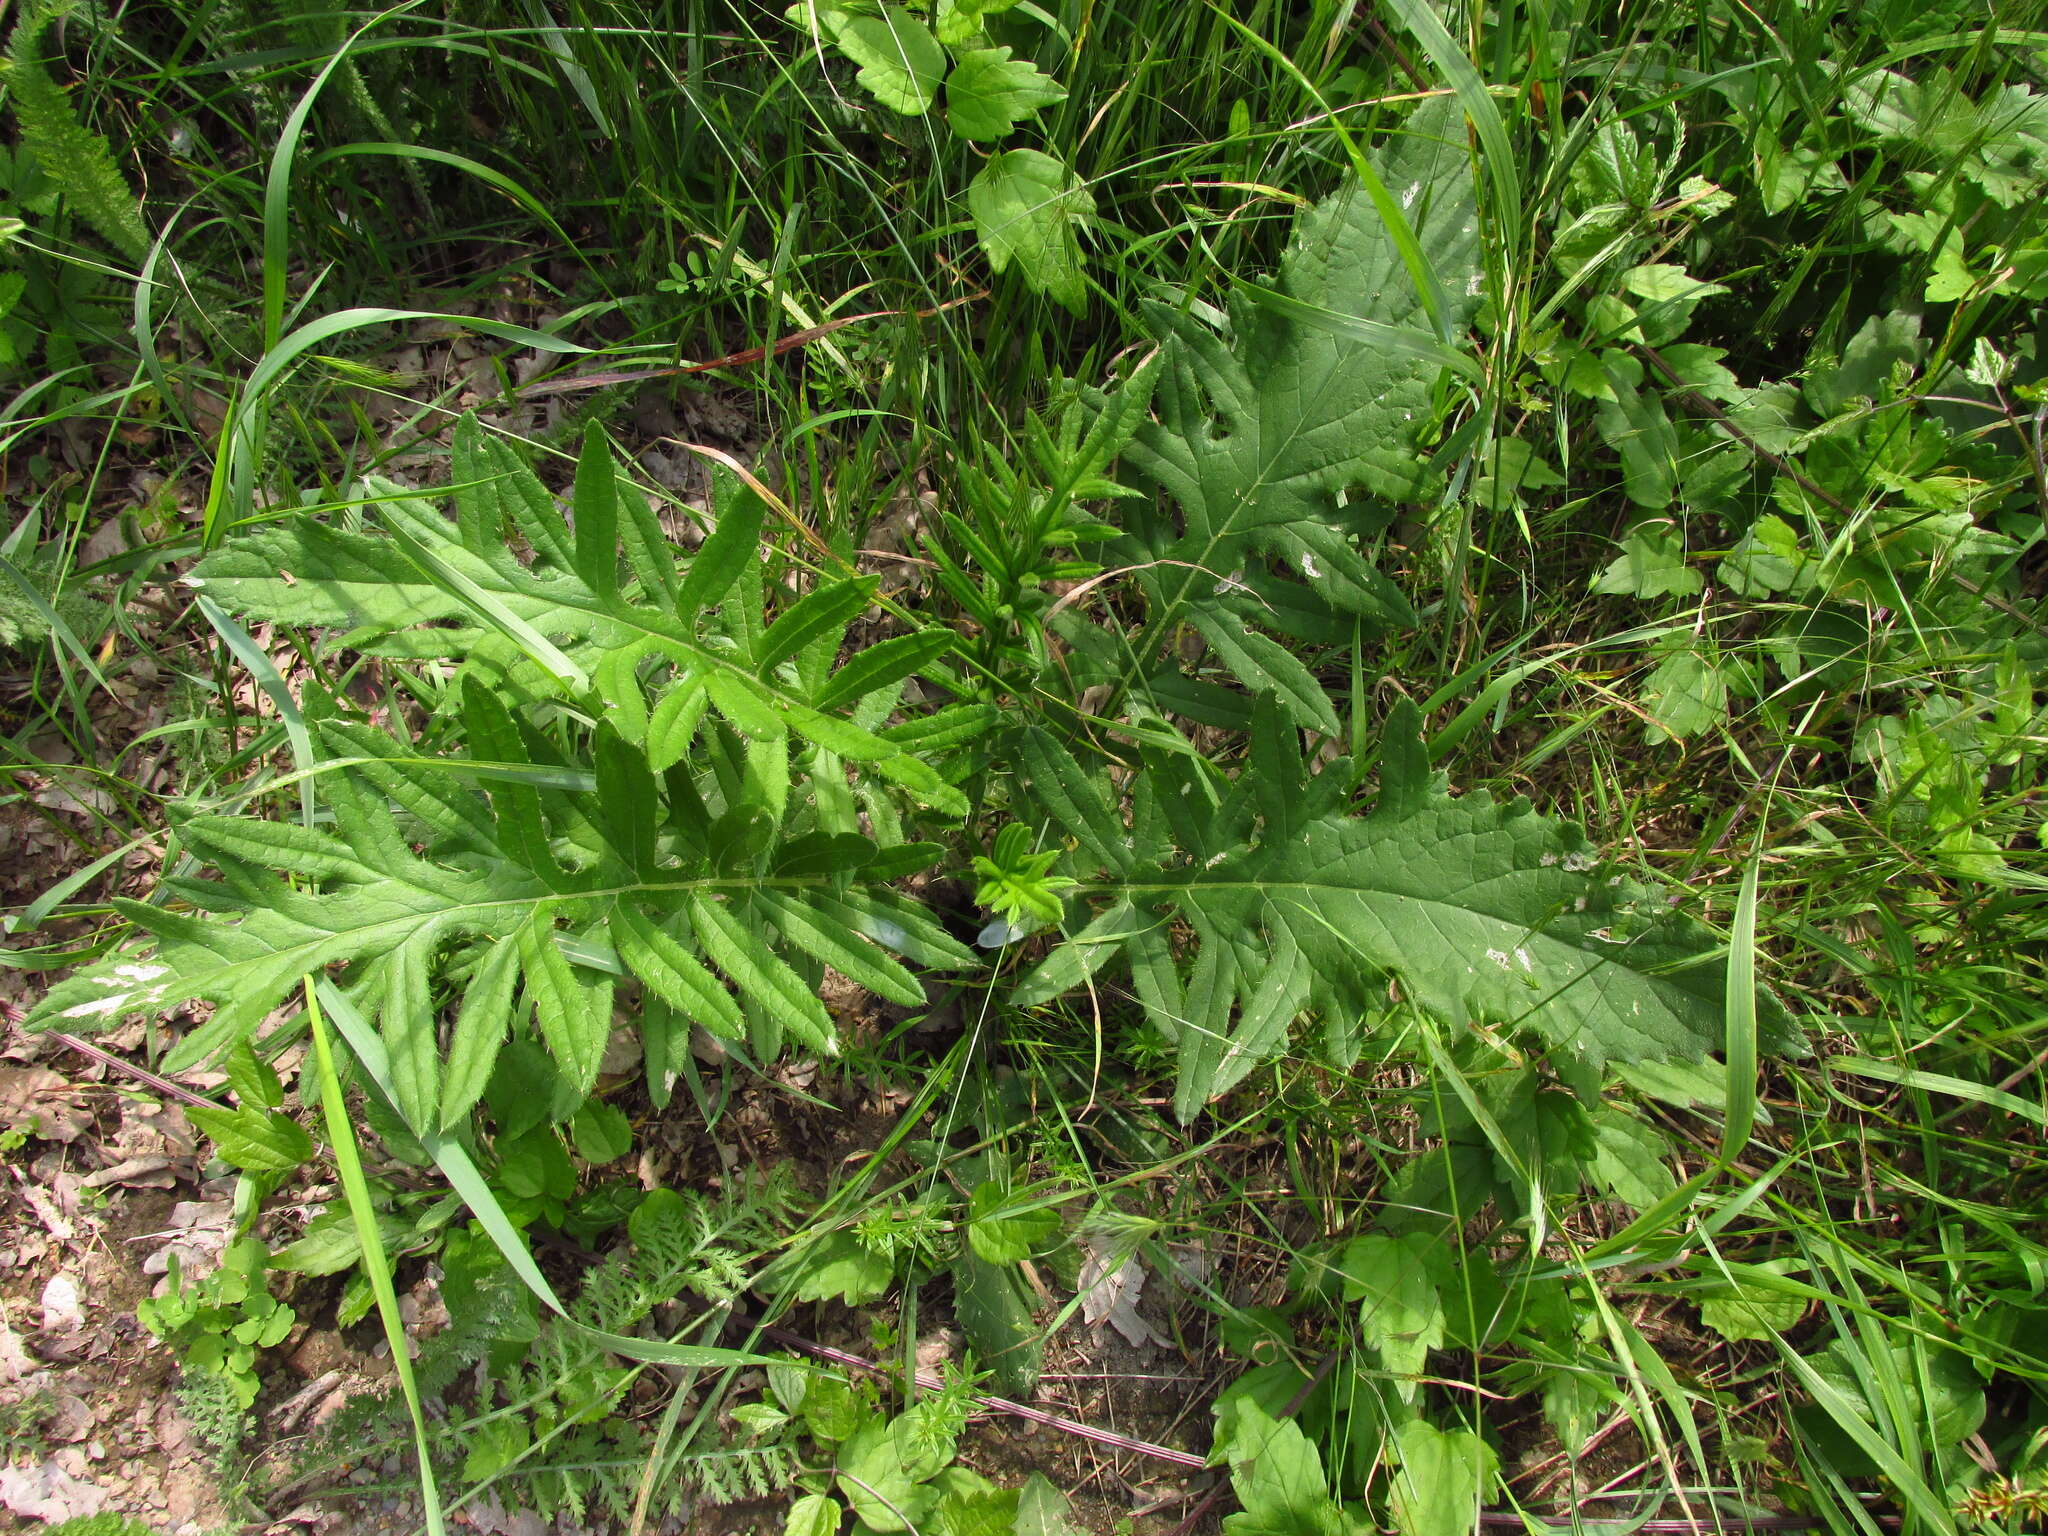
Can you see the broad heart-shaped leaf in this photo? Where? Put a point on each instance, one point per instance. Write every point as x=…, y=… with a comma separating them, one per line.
x=619, y=646
x=1399, y=1314
x=1042, y=1510
x=1480, y=910
x=1003, y=1237
x=1749, y=1311
x=989, y=93
x=1027, y=207
x=958, y=21
x=1443, y=1476
x=1323, y=385
x=814, y=1514
x=1277, y=1476
x=993, y=1304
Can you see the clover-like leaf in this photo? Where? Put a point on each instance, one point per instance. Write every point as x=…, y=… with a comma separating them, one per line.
x=1028, y=209
x=989, y=93
x=901, y=63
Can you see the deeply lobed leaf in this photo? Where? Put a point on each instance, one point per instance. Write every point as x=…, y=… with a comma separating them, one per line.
x=662, y=843
x=1322, y=387
x=1480, y=910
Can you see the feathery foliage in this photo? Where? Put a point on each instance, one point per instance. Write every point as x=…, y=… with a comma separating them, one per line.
x=73, y=154
x=699, y=837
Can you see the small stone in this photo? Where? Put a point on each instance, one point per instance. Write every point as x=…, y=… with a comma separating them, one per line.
x=70, y=1419
x=61, y=1311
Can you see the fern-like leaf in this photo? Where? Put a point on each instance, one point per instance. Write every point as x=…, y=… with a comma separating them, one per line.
x=687, y=929
x=1479, y=910
x=72, y=153
x=545, y=865
x=566, y=618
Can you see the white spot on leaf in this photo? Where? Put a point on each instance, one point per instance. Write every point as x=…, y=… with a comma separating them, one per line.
x=99, y=1007
x=1000, y=932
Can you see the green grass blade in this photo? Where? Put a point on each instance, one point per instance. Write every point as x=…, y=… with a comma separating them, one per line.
x=341, y=1136
x=1502, y=169
x=493, y=610
x=271, y=681
x=1427, y=285
x=464, y=1178
x=277, y=183
x=1741, y=1022
x=489, y=176
x=242, y=432
x=1923, y=1500
x=1942, y=1083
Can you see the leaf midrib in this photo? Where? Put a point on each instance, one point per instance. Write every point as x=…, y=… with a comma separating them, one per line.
x=1138, y=892
x=461, y=916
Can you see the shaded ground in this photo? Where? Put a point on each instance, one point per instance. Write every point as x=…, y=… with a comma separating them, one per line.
x=106, y=1185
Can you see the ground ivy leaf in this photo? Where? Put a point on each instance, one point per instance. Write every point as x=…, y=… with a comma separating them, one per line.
x=989, y=93
x=830, y=1409
x=1948, y=1410
x=1042, y=1509
x=1684, y=695
x=1277, y=1477
x=839, y=1268
x=1443, y=1475
x=1765, y=560
x=1399, y=1314
x=1512, y=467
x=960, y=21
x=814, y=1514
x=602, y=1131
x=901, y=63
x=1752, y=1311
x=995, y=1310
x=1005, y=1237
x=1651, y=564
x=1027, y=209
x=1628, y=1160
x=874, y=1481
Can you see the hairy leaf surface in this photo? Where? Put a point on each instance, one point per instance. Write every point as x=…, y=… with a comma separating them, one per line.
x=1288, y=903
x=1322, y=386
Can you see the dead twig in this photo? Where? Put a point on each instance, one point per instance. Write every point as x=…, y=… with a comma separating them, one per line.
x=774, y=348
x=932, y=1383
